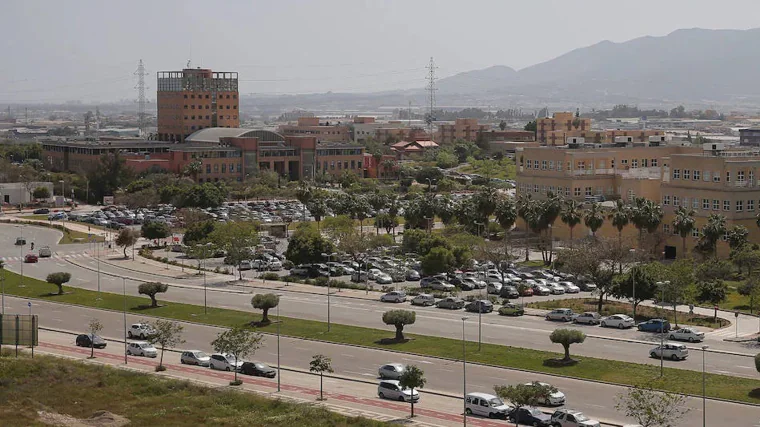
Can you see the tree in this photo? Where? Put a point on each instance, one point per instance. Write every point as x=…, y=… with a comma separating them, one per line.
x=645, y=215
x=197, y=232
x=713, y=230
x=711, y=291
x=644, y=277
x=681, y=278
x=193, y=169
x=412, y=378
x=41, y=193
x=522, y=395
x=757, y=362
x=502, y=125
x=321, y=364
x=593, y=218
x=155, y=230
x=571, y=215
x=264, y=302
x=445, y=159
x=746, y=258
x=238, y=342
x=317, y=207
x=94, y=327
x=506, y=214
x=206, y=195
x=683, y=224
x=238, y=239
x=566, y=337
x=438, y=260
x=168, y=334
x=532, y=126
x=737, y=237
x=386, y=222
x=59, y=279
x=620, y=216
x=652, y=408
x=751, y=289
x=127, y=237
x=399, y=319
x=151, y=289
x=307, y=245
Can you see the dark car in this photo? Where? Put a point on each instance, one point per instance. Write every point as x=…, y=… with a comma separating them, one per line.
x=42, y=211
x=654, y=325
x=480, y=306
x=258, y=370
x=90, y=340
x=530, y=417
x=509, y=292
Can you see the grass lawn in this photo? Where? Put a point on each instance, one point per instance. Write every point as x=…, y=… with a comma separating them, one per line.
x=36, y=217
x=535, y=263
x=74, y=236
x=643, y=313
x=505, y=169
x=736, y=302
x=726, y=387
x=79, y=389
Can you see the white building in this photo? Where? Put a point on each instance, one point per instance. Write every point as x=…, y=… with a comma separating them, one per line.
x=14, y=193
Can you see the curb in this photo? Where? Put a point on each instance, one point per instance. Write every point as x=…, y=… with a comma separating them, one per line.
x=415, y=354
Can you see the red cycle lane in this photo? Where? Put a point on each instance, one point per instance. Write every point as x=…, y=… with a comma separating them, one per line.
x=374, y=403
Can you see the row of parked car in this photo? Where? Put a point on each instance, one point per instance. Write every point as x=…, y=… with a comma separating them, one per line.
x=454, y=303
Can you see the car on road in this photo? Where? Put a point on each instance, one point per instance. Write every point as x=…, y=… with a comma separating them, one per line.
x=571, y=418
x=452, y=303
x=274, y=265
x=620, y=321
x=194, y=357
x=555, y=398
x=687, y=334
x=670, y=350
x=479, y=306
x=530, y=416
x=42, y=211
x=20, y=241
x=570, y=287
x=383, y=279
x=90, y=340
x=141, y=348
x=563, y=314
x=654, y=325
x=140, y=330
x=588, y=318
x=391, y=371
x=45, y=252
x=224, y=362
x=486, y=405
x=392, y=390
x=511, y=309
x=257, y=369
x=423, y=300
x=394, y=296
x=31, y=258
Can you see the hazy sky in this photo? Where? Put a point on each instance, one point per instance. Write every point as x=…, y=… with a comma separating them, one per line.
x=55, y=50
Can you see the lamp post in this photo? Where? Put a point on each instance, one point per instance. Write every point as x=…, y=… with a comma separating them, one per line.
x=662, y=286
x=21, y=229
x=464, y=377
x=278, y=341
x=429, y=221
x=329, y=258
x=704, y=400
x=480, y=224
x=124, y=289
x=633, y=282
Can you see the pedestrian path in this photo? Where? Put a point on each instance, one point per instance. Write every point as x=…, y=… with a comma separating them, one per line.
x=54, y=257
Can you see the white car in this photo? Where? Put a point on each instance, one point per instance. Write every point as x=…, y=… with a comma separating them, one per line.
x=556, y=288
x=373, y=273
x=224, y=362
x=394, y=296
x=423, y=300
x=141, y=348
x=486, y=405
x=383, y=279
x=553, y=399
x=391, y=371
x=570, y=288
x=588, y=318
x=194, y=357
x=562, y=314
x=275, y=266
x=245, y=265
x=140, y=330
x=669, y=350
x=687, y=334
x=442, y=286
x=570, y=418
x=493, y=288
x=391, y=389
x=620, y=321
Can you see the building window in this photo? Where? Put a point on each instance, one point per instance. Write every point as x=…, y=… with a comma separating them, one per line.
x=676, y=201
x=528, y=164
x=588, y=191
x=695, y=203
x=551, y=165
x=577, y=191
x=345, y=164
x=644, y=163
x=728, y=176
x=676, y=173
x=666, y=228
x=696, y=175
x=185, y=107
x=707, y=176
x=666, y=200
x=185, y=96
x=634, y=163
x=581, y=164
x=695, y=232
x=653, y=163
x=716, y=177
x=535, y=188
x=216, y=168
x=185, y=117
x=685, y=202
x=535, y=164
x=192, y=96
x=224, y=167
x=332, y=165
x=631, y=194
x=716, y=205
x=232, y=167
x=624, y=162
x=740, y=176
x=208, y=168
x=325, y=165
x=359, y=165
x=239, y=167
x=726, y=205
x=543, y=164
x=686, y=174
x=567, y=191
x=739, y=205
x=751, y=205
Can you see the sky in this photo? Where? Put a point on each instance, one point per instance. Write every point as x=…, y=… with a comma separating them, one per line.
x=86, y=50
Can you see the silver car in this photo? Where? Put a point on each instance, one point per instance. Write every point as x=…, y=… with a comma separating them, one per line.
x=394, y=296
x=563, y=314
x=391, y=371
x=391, y=389
x=194, y=357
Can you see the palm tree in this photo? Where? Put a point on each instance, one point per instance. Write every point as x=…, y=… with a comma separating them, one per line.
x=551, y=208
x=318, y=209
x=571, y=216
x=523, y=211
x=506, y=214
x=639, y=215
x=593, y=219
x=620, y=216
x=388, y=165
x=193, y=169
x=683, y=224
x=714, y=230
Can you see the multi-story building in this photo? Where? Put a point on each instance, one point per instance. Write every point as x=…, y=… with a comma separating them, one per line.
x=559, y=137
x=324, y=131
x=195, y=99
x=390, y=135
x=563, y=121
x=749, y=137
x=464, y=129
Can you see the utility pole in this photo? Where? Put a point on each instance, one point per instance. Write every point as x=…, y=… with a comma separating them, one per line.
x=431, y=95
x=140, y=73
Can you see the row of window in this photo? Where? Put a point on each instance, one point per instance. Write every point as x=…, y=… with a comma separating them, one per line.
x=695, y=232
x=341, y=165
x=201, y=107
x=695, y=175
x=576, y=192
x=224, y=168
x=582, y=164
x=313, y=132
x=707, y=204
x=339, y=152
x=208, y=117
x=192, y=96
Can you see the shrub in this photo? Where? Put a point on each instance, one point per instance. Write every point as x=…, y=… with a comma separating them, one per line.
x=287, y=264
x=270, y=276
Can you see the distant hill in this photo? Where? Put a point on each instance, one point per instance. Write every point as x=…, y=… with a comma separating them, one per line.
x=690, y=64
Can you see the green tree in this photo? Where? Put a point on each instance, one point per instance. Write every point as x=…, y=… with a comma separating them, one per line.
x=399, y=319
x=644, y=277
x=522, y=395
x=197, y=232
x=318, y=209
x=94, y=327
x=532, y=126
x=567, y=337
x=386, y=222
x=238, y=239
x=321, y=364
x=307, y=245
x=193, y=169
x=750, y=288
x=593, y=218
x=620, y=216
x=59, y=279
x=445, y=159
x=265, y=302
x=645, y=215
x=151, y=289
x=239, y=342
x=506, y=214
x=683, y=224
x=746, y=258
x=127, y=237
x=737, y=237
x=412, y=378
x=592, y=260
x=680, y=289
x=571, y=215
x=711, y=291
x=41, y=193
x=713, y=230
x=652, y=408
x=168, y=334
x=438, y=260
x=206, y=195
x=152, y=230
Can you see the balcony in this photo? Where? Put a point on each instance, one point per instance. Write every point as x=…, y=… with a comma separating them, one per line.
x=742, y=184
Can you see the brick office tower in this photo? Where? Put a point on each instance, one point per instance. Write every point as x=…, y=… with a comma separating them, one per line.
x=194, y=99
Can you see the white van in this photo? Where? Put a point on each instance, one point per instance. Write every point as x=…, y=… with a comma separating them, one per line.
x=486, y=405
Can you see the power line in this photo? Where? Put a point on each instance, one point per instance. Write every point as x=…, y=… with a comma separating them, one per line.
x=431, y=95
x=140, y=73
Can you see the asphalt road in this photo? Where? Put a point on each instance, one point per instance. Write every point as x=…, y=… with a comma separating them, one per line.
x=595, y=400
x=526, y=331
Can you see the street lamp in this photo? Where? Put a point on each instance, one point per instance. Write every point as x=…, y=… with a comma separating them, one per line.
x=480, y=224
x=429, y=221
x=21, y=229
x=662, y=286
x=704, y=402
x=124, y=289
x=329, y=258
x=633, y=282
x=278, y=341
x=464, y=377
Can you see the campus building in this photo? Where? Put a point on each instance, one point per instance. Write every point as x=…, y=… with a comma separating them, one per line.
x=464, y=129
x=324, y=131
x=561, y=127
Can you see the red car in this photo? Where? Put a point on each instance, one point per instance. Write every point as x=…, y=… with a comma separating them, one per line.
x=30, y=258
x=527, y=291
